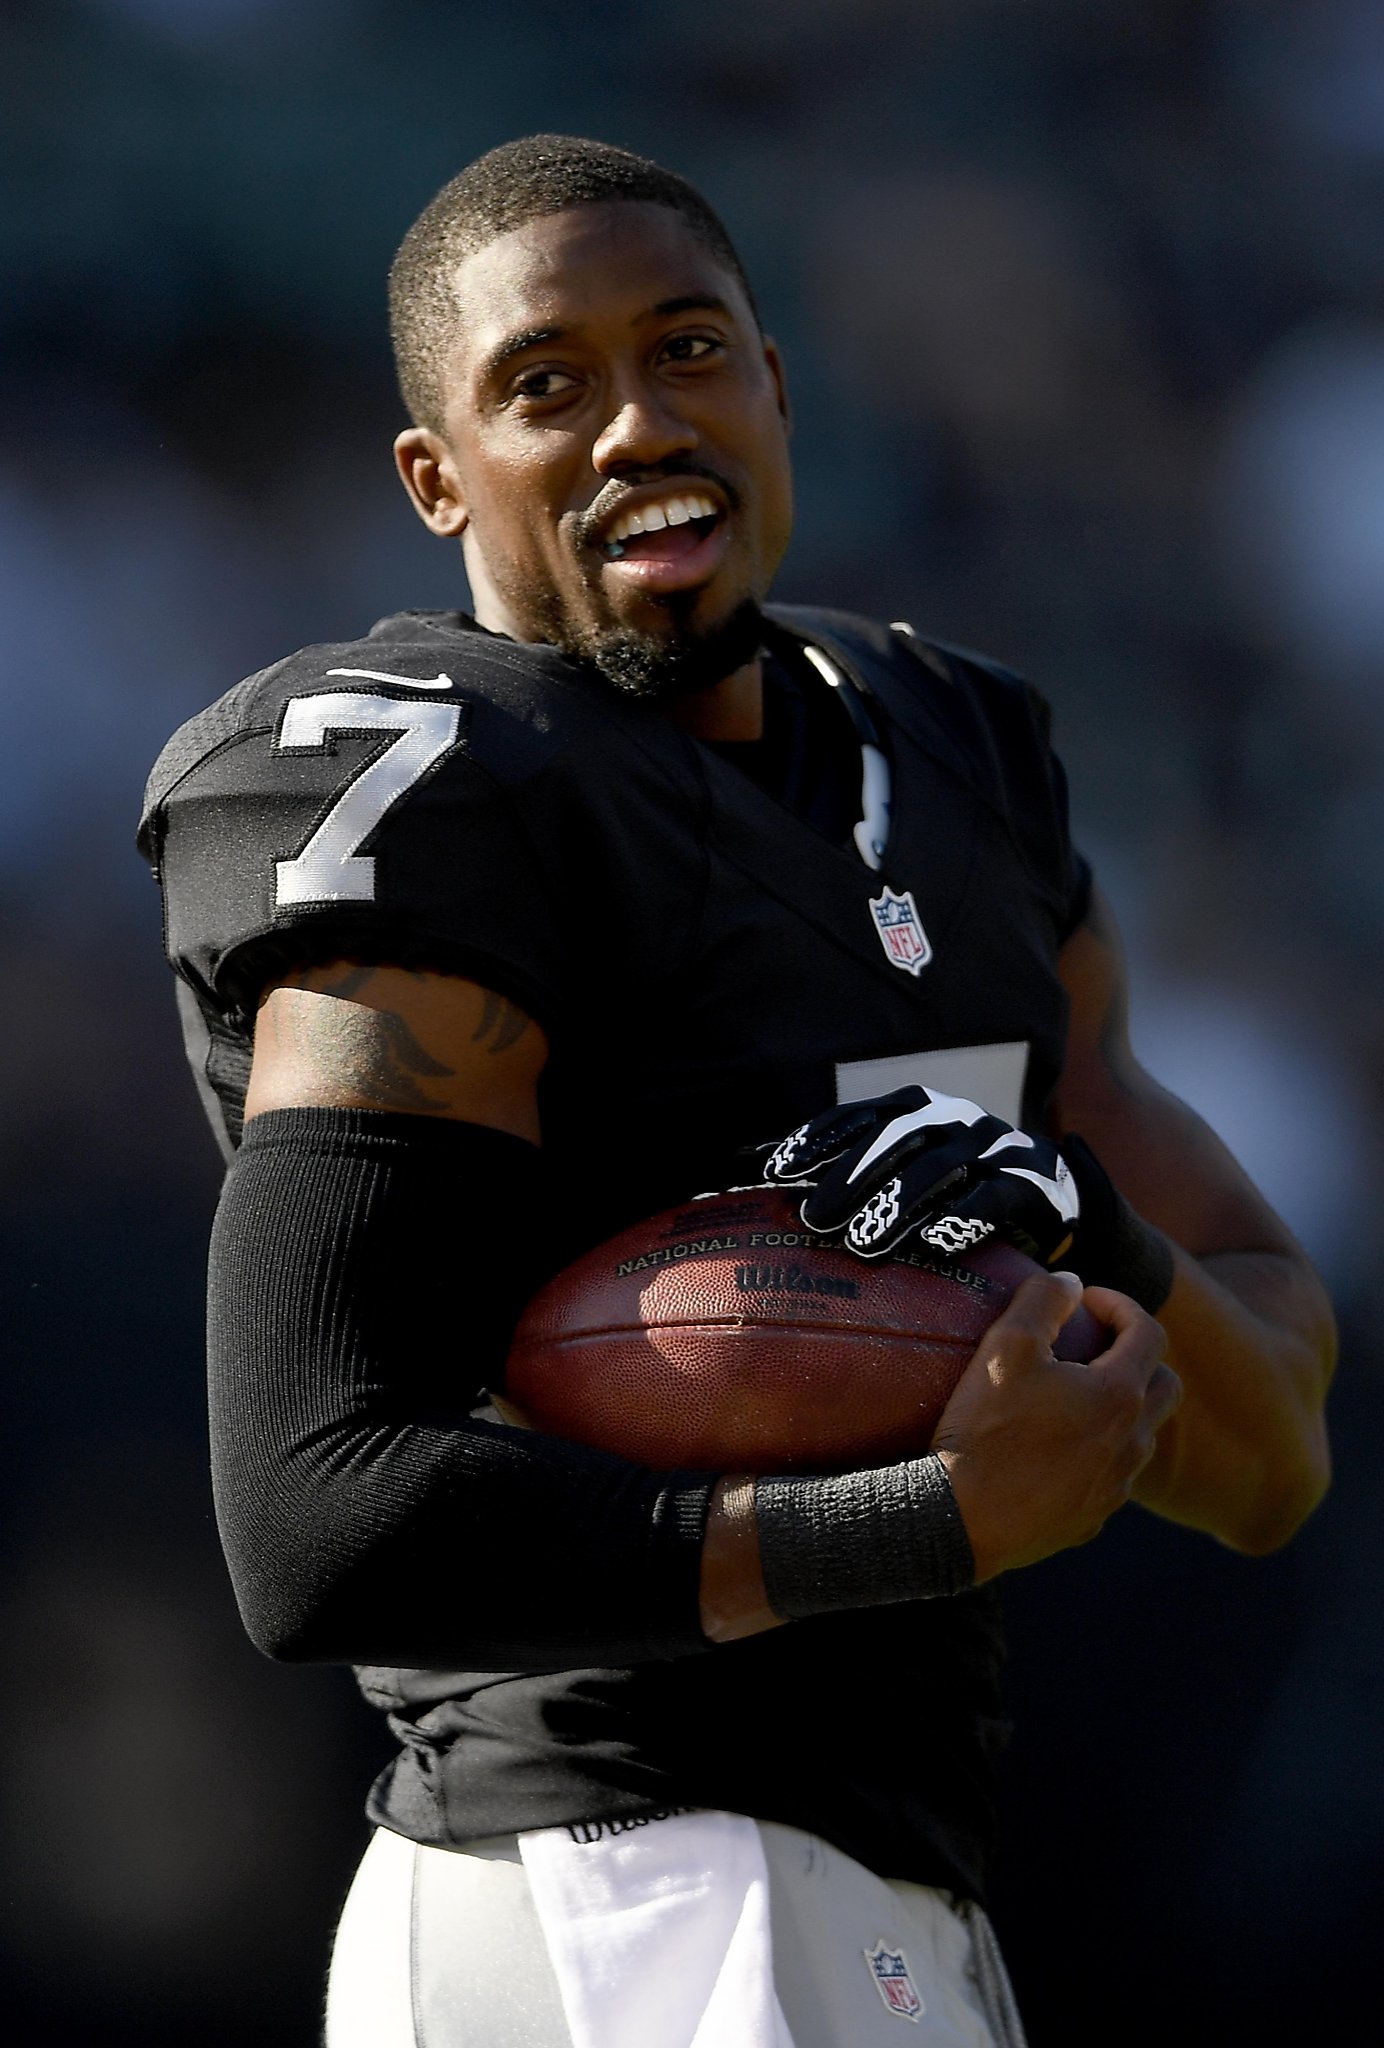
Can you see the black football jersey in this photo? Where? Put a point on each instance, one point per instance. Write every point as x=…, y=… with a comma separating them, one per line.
x=710, y=969
x=705, y=964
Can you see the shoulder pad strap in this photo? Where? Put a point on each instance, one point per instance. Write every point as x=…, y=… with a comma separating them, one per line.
x=863, y=642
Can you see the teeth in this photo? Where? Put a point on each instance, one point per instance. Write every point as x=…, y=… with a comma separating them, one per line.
x=675, y=512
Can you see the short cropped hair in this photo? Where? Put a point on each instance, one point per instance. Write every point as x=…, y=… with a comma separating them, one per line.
x=518, y=182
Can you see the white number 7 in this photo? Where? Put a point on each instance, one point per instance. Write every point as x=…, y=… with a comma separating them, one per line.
x=329, y=869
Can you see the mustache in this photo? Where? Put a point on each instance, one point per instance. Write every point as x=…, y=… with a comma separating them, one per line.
x=611, y=496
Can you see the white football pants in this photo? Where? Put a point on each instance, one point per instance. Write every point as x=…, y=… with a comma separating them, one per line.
x=703, y=1930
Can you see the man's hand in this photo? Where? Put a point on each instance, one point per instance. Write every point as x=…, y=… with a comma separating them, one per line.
x=919, y=1161
x=1040, y=1453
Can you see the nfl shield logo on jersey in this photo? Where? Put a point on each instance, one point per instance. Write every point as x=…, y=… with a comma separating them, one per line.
x=889, y=1967
x=901, y=930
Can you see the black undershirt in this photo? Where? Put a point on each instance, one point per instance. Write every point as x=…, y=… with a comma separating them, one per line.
x=807, y=757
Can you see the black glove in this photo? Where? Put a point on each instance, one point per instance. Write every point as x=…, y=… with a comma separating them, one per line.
x=941, y=1167
x=934, y=1165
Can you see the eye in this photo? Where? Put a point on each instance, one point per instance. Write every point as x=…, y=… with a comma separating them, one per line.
x=539, y=384
x=691, y=348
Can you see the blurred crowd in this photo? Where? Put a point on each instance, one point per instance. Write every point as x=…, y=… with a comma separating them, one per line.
x=1083, y=307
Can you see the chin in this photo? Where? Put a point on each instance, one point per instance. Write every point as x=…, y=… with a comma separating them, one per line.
x=684, y=657
x=680, y=660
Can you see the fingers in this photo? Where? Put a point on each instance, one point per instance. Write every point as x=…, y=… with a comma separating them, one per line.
x=1139, y=1342
x=880, y=1195
x=1163, y=1398
x=882, y=1129
x=1041, y=1451
x=1037, y=1310
x=878, y=1209
x=919, y=1161
x=1115, y=1310
x=1137, y=1356
x=821, y=1138
x=967, y=1217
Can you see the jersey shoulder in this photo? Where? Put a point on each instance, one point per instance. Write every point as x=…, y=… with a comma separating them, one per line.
x=968, y=694
x=984, y=722
x=428, y=796
x=418, y=656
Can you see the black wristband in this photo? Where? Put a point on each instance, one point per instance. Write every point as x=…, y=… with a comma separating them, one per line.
x=1115, y=1247
x=861, y=1539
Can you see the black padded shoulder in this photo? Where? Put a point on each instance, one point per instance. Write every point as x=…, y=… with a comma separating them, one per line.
x=408, y=648
x=961, y=694
x=990, y=726
x=416, y=796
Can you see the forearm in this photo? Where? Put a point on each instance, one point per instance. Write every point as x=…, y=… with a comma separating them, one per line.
x=1250, y=1329
x=1249, y=1324
x=733, y=1598
x=1245, y=1457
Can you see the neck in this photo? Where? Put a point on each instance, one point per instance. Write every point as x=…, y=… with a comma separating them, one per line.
x=732, y=709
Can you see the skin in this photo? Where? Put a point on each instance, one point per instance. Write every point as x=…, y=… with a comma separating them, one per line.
x=601, y=355
x=1249, y=1324
x=546, y=439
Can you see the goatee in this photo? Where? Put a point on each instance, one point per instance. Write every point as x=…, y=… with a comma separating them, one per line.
x=650, y=667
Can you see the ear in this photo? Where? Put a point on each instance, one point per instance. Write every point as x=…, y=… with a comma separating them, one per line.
x=774, y=364
x=429, y=474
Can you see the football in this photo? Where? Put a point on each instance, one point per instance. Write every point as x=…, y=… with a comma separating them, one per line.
x=724, y=1336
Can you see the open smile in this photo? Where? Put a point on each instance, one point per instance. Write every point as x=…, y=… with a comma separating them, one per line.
x=667, y=539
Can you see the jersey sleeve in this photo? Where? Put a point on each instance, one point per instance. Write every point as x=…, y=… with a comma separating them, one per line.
x=307, y=819
x=1072, y=869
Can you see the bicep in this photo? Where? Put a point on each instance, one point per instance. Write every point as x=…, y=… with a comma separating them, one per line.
x=350, y=1036
x=1166, y=1161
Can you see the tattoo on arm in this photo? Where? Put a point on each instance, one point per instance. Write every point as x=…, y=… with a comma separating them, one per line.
x=502, y=1023
x=348, y=979
x=342, y=979
x=365, y=1041
x=375, y=1051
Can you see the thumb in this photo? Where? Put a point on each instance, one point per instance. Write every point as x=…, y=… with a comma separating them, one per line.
x=1039, y=1307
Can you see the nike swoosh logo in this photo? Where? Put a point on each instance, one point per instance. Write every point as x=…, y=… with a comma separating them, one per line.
x=1062, y=1194
x=942, y=1109
x=1007, y=1143
x=377, y=675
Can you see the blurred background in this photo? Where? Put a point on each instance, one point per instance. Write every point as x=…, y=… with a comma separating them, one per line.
x=1084, y=310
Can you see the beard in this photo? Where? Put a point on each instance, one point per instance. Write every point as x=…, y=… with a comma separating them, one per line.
x=658, y=667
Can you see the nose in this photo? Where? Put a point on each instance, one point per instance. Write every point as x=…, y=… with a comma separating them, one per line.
x=642, y=433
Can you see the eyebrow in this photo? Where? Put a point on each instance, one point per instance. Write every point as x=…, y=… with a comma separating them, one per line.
x=539, y=337
x=692, y=302
x=516, y=345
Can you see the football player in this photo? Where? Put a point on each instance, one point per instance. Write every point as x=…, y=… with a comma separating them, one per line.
x=497, y=932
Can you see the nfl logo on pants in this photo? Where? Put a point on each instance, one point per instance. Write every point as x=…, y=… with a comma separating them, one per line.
x=889, y=1967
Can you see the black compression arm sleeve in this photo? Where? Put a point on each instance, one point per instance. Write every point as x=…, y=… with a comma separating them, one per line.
x=364, y=1282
